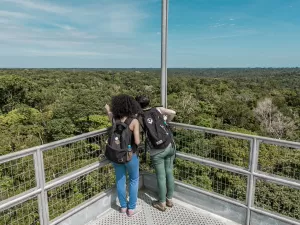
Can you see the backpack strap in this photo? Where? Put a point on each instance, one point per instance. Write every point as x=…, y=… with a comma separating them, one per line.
x=128, y=120
x=133, y=145
x=140, y=117
x=144, y=134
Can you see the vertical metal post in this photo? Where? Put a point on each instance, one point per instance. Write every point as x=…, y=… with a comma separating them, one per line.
x=164, y=42
x=40, y=180
x=254, y=148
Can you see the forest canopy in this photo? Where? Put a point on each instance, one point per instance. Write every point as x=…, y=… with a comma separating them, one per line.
x=39, y=106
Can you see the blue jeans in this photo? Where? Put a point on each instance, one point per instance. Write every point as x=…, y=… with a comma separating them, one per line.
x=133, y=171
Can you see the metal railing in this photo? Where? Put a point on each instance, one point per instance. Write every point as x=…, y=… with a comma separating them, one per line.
x=46, y=184
x=43, y=183
x=257, y=173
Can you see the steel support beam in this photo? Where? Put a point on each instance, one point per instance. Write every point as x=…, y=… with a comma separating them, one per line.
x=164, y=42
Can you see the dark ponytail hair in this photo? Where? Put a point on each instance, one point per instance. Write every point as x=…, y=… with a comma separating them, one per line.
x=143, y=101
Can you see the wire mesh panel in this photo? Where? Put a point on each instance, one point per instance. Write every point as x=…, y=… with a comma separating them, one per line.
x=65, y=159
x=211, y=179
x=278, y=198
x=145, y=161
x=23, y=214
x=75, y=192
x=220, y=148
x=16, y=176
x=278, y=160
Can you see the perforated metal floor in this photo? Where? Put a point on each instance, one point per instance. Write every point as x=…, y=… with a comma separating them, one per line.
x=181, y=213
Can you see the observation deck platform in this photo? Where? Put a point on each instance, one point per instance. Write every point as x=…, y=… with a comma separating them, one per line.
x=181, y=214
x=221, y=177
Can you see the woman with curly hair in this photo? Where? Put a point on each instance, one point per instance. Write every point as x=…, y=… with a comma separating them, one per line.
x=124, y=108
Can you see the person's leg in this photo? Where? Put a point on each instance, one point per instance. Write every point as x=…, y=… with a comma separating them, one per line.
x=159, y=166
x=120, y=172
x=133, y=172
x=169, y=165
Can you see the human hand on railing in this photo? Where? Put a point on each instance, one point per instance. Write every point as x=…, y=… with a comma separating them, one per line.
x=107, y=107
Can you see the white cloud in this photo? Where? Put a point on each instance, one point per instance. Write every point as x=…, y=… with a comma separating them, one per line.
x=60, y=39
x=11, y=14
x=102, y=32
x=34, y=52
x=102, y=29
x=122, y=18
x=218, y=25
x=72, y=53
x=38, y=5
x=236, y=33
x=64, y=26
x=5, y=21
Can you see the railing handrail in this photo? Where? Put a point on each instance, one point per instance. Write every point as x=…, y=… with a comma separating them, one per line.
x=45, y=147
x=238, y=135
x=251, y=172
x=48, y=146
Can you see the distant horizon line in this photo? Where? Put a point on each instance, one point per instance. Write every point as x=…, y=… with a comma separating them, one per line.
x=155, y=68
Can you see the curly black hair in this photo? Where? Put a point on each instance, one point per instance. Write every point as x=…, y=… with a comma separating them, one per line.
x=124, y=105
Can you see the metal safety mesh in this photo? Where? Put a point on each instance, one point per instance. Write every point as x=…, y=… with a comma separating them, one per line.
x=213, y=147
x=279, y=160
x=16, y=176
x=278, y=198
x=211, y=179
x=25, y=213
x=67, y=158
x=75, y=192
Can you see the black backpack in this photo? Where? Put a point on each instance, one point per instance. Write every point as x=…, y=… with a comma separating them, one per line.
x=156, y=129
x=117, y=147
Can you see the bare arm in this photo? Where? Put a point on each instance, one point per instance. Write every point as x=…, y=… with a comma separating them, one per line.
x=109, y=113
x=168, y=112
x=136, y=131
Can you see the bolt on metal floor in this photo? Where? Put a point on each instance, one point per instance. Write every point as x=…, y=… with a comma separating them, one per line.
x=180, y=214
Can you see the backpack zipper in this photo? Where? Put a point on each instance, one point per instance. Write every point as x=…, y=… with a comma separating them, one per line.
x=164, y=129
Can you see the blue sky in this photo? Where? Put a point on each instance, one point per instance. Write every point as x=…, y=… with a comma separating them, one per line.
x=126, y=33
